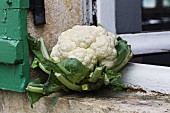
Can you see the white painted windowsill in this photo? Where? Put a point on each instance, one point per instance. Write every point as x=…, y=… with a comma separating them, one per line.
x=147, y=77
x=144, y=43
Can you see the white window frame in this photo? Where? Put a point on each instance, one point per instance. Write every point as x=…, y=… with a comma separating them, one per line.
x=155, y=42
x=150, y=77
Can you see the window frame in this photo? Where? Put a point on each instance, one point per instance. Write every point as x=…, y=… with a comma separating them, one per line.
x=138, y=75
x=154, y=41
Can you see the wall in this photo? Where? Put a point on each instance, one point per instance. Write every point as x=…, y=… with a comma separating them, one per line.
x=60, y=16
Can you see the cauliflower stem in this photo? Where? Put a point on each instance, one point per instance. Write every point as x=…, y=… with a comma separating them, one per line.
x=63, y=80
x=96, y=74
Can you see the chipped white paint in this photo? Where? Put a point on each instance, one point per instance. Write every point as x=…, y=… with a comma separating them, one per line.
x=154, y=42
x=106, y=14
x=148, y=77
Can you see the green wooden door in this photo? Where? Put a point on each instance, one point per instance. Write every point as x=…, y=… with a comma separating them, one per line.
x=14, y=54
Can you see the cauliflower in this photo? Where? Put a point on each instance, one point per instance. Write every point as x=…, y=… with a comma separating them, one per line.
x=84, y=59
x=88, y=44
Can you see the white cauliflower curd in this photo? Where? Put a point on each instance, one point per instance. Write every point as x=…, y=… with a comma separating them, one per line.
x=89, y=44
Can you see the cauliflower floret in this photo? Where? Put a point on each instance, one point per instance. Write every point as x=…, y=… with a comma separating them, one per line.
x=55, y=54
x=105, y=49
x=86, y=56
x=89, y=44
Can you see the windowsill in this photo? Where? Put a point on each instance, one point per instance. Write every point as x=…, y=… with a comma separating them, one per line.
x=146, y=43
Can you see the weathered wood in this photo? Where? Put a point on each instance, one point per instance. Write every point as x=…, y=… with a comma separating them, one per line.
x=147, y=77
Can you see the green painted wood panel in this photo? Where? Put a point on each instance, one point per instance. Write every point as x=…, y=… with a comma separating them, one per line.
x=13, y=23
x=16, y=23
x=11, y=51
x=13, y=77
x=14, y=51
x=3, y=16
x=14, y=4
x=25, y=64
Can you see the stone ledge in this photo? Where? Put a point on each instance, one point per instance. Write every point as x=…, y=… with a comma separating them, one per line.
x=102, y=101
